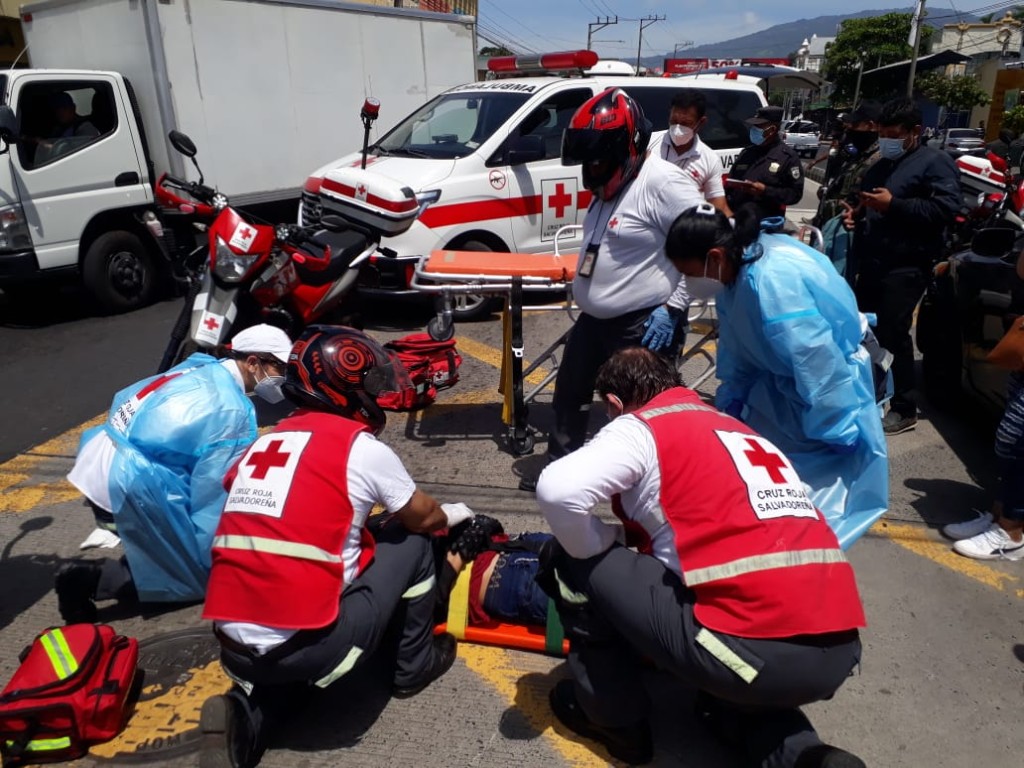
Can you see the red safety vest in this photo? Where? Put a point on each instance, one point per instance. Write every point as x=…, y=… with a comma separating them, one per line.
x=760, y=558
x=278, y=550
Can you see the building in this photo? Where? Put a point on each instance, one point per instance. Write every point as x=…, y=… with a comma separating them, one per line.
x=811, y=54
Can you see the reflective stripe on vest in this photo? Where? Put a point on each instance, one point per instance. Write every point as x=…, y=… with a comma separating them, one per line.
x=56, y=646
x=275, y=547
x=756, y=563
x=653, y=413
x=43, y=745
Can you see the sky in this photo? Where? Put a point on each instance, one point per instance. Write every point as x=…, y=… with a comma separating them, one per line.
x=558, y=25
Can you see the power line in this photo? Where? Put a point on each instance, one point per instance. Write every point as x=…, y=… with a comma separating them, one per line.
x=497, y=7
x=645, y=22
x=506, y=33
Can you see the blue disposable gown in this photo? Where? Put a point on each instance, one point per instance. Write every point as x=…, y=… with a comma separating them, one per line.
x=166, y=482
x=790, y=362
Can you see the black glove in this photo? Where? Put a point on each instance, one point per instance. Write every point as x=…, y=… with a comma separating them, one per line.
x=470, y=538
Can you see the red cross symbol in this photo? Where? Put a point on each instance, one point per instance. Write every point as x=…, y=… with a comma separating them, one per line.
x=361, y=191
x=560, y=200
x=613, y=223
x=212, y=323
x=155, y=385
x=266, y=460
x=696, y=174
x=245, y=233
x=772, y=462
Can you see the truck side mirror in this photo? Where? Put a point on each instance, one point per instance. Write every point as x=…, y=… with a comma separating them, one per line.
x=182, y=143
x=525, y=149
x=8, y=126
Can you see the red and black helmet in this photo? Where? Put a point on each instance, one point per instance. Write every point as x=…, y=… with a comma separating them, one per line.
x=608, y=135
x=343, y=371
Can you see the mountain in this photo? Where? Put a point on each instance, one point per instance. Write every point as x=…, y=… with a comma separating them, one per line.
x=782, y=39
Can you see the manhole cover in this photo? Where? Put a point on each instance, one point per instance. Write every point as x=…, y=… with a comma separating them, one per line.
x=179, y=671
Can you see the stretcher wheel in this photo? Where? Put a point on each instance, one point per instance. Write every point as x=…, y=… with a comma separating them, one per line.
x=522, y=446
x=439, y=330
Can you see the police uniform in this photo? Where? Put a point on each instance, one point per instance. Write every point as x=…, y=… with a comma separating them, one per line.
x=775, y=164
x=728, y=527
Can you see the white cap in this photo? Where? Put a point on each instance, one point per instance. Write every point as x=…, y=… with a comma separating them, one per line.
x=263, y=339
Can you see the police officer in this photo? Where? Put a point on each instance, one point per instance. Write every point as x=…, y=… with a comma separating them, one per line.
x=768, y=172
x=723, y=528
x=300, y=591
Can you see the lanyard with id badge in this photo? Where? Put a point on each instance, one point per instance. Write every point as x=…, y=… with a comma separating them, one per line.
x=590, y=254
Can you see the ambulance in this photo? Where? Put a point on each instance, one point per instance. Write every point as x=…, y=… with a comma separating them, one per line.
x=484, y=160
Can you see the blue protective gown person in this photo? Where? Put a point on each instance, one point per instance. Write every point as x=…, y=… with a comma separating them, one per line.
x=177, y=435
x=792, y=367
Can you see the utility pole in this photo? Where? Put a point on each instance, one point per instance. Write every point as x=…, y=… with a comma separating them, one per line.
x=915, y=40
x=684, y=44
x=645, y=22
x=597, y=26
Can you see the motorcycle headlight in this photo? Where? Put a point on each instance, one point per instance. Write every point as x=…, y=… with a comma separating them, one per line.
x=230, y=266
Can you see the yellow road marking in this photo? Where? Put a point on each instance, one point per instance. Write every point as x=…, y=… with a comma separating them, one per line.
x=167, y=716
x=15, y=497
x=485, y=353
x=918, y=540
x=524, y=680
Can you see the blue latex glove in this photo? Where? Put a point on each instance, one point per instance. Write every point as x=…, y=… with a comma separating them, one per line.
x=661, y=328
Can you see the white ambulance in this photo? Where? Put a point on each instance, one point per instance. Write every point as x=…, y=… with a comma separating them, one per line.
x=484, y=160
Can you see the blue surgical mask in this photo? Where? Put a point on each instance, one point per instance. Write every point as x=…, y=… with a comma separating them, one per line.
x=756, y=135
x=891, y=149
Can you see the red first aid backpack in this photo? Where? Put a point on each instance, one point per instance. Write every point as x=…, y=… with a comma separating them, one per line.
x=70, y=691
x=431, y=365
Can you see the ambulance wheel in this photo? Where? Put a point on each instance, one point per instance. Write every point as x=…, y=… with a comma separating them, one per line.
x=472, y=306
x=119, y=272
x=439, y=330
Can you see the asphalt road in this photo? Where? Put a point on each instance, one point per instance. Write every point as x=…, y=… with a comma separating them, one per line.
x=942, y=678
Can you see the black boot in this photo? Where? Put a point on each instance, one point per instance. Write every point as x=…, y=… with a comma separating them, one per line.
x=229, y=737
x=76, y=584
x=441, y=660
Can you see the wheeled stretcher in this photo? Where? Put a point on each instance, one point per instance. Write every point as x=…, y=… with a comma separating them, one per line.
x=511, y=276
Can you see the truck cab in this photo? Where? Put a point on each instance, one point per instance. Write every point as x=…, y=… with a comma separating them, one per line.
x=76, y=185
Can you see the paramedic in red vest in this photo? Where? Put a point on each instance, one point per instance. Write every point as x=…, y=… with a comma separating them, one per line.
x=738, y=585
x=300, y=592
x=682, y=146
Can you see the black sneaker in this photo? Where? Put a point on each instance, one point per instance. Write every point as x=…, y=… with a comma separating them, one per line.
x=76, y=584
x=825, y=756
x=445, y=650
x=631, y=744
x=894, y=423
x=226, y=734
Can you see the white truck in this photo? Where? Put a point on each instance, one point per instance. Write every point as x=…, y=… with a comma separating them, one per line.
x=266, y=88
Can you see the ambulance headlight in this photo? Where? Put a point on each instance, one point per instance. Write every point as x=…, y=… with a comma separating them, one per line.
x=230, y=266
x=427, y=198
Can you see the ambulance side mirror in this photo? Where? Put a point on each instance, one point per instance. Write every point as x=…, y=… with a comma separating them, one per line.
x=525, y=149
x=8, y=127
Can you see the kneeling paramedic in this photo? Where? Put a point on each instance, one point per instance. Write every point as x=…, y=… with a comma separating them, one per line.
x=300, y=592
x=738, y=585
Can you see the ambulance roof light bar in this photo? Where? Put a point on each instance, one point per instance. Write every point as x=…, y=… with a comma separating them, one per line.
x=542, y=62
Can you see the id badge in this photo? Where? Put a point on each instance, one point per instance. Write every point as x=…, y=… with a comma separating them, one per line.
x=589, y=257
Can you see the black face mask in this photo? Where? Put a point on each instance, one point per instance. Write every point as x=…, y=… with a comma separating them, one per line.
x=861, y=140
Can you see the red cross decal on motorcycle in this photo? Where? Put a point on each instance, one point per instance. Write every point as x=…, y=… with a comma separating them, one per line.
x=773, y=463
x=560, y=200
x=264, y=461
x=212, y=323
x=245, y=233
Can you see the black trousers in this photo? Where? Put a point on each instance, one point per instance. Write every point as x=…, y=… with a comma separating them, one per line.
x=396, y=591
x=893, y=295
x=635, y=608
x=591, y=342
x=116, y=582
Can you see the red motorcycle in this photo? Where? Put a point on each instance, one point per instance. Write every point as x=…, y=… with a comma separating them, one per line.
x=249, y=272
x=993, y=196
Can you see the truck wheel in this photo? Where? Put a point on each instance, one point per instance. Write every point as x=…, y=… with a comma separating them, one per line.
x=939, y=340
x=119, y=272
x=471, y=306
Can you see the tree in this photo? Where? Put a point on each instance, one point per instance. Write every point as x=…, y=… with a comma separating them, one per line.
x=1014, y=119
x=954, y=93
x=880, y=40
x=495, y=50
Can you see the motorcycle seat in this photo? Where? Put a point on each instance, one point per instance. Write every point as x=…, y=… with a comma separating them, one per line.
x=345, y=246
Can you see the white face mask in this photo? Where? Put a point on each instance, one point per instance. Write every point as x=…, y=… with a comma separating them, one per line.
x=269, y=389
x=705, y=287
x=681, y=135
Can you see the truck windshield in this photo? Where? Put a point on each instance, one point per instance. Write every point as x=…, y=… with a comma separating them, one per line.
x=452, y=125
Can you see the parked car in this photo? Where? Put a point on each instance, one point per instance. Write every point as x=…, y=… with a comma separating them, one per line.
x=960, y=141
x=803, y=136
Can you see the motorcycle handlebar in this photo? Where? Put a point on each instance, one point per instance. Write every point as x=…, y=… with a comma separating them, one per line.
x=195, y=189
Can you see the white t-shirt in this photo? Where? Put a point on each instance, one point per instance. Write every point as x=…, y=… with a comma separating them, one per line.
x=631, y=271
x=375, y=476
x=622, y=458
x=700, y=162
x=91, y=472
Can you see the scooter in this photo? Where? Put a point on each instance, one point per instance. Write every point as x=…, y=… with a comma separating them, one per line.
x=993, y=197
x=285, y=275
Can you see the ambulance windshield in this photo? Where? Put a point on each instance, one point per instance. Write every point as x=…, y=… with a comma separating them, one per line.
x=452, y=125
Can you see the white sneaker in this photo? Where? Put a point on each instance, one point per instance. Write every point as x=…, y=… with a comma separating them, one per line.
x=993, y=544
x=100, y=538
x=968, y=529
